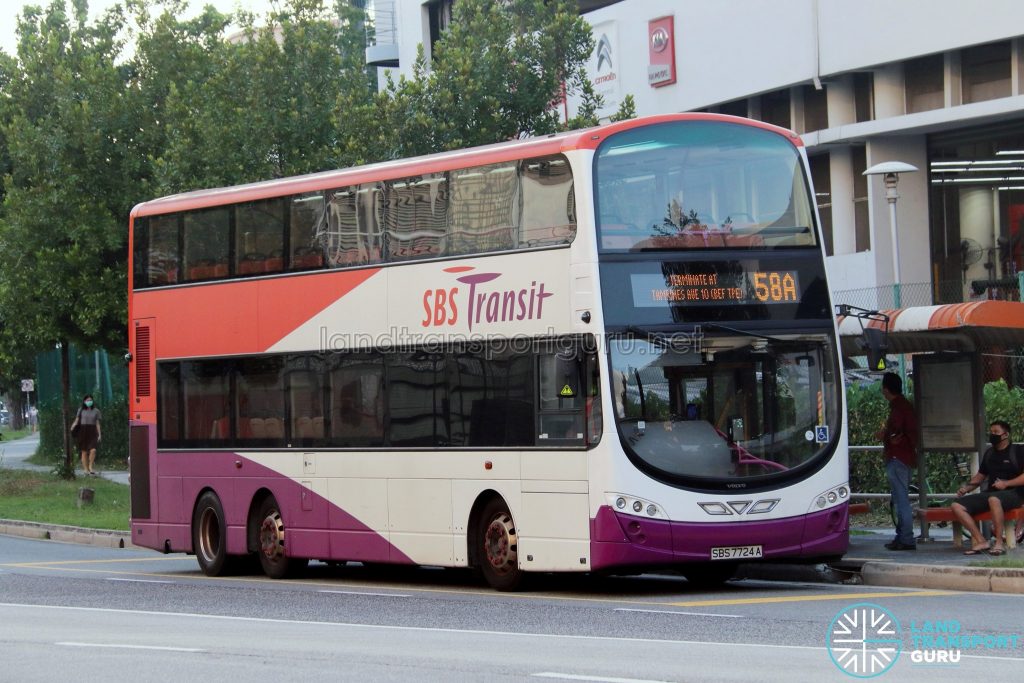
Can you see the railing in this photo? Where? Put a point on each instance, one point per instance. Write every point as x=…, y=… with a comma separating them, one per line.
x=930, y=293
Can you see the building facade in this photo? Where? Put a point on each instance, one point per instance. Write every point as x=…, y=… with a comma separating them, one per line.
x=938, y=84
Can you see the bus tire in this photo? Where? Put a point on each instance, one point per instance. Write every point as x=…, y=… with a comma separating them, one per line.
x=498, y=547
x=270, y=538
x=209, y=535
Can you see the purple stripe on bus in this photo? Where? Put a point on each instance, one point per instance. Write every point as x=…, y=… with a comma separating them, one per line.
x=182, y=477
x=625, y=540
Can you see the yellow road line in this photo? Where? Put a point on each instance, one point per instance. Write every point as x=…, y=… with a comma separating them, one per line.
x=851, y=597
x=807, y=598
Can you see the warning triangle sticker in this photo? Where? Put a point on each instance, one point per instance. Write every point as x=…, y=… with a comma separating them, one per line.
x=567, y=392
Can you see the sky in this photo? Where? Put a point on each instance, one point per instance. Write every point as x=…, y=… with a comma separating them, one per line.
x=10, y=9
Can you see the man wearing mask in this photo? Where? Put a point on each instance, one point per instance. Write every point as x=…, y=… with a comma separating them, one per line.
x=899, y=446
x=1003, y=467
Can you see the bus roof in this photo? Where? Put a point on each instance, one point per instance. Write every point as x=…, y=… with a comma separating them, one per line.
x=556, y=143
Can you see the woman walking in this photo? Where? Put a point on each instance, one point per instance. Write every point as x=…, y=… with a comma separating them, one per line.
x=86, y=429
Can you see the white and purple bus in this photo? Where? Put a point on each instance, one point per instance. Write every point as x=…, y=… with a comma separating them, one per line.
x=606, y=350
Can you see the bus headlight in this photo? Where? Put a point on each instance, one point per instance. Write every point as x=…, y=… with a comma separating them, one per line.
x=637, y=506
x=821, y=501
x=652, y=510
x=620, y=503
x=832, y=497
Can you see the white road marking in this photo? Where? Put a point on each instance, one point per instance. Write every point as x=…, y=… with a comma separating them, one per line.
x=125, y=646
x=378, y=595
x=599, y=679
x=111, y=578
x=427, y=629
x=668, y=611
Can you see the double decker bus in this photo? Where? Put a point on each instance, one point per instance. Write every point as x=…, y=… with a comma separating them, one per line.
x=605, y=350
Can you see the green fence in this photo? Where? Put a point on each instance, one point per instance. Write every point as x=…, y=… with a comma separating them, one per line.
x=99, y=373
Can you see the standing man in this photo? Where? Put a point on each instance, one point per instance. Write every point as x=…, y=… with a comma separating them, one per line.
x=1003, y=467
x=899, y=444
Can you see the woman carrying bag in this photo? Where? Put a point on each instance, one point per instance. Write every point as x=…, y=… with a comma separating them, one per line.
x=86, y=432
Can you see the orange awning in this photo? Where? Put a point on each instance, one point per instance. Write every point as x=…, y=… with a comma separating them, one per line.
x=973, y=326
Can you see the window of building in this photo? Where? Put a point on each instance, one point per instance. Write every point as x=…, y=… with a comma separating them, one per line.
x=985, y=72
x=861, y=222
x=439, y=18
x=864, y=96
x=821, y=177
x=775, y=108
x=924, y=83
x=734, y=108
x=815, y=108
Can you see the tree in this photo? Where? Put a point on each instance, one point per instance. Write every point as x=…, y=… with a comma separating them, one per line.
x=266, y=106
x=494, y=75
x=62, y=242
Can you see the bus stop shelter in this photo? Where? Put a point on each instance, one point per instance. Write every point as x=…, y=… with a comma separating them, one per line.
x=946, y=343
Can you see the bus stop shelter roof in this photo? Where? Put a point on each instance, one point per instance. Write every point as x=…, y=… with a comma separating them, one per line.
x=974, y=327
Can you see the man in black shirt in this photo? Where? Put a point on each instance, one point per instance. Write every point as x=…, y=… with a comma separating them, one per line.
x=1003, y=467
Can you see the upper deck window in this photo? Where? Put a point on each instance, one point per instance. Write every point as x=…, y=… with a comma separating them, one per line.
x=520, y=204
x=701, y=185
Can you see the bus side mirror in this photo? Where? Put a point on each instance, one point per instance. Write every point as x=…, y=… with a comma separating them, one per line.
x=875, y=343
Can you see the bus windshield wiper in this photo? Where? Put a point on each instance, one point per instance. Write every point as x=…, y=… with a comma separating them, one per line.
x=734, y=330
x=655, y=338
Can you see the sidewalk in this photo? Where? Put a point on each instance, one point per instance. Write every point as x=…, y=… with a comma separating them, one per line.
x=935, y=565
x=15, y=454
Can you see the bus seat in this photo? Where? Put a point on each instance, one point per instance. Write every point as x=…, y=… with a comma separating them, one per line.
x=317, y=427
x=257, y=429
x=303, y=427
x=220, y=270
x=273, y=428
x=252, y=263
x=200, y=272
x=220, y=428
x=273, y=264
x=307, y=257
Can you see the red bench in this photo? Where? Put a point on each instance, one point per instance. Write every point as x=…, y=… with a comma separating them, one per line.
x=1011, y=520
x=860, y=508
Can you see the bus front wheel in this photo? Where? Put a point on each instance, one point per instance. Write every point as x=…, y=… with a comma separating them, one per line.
x=270, y=537
x=498, y=547
x=209, y=535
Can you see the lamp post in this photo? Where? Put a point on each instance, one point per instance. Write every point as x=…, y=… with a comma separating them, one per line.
x=890, y=172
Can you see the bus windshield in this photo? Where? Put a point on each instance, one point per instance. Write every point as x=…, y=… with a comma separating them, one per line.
x=701, y=185
x=725, y=408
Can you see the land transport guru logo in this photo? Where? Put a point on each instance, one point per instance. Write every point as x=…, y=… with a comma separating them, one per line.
x=478, y=301
x=865, y=640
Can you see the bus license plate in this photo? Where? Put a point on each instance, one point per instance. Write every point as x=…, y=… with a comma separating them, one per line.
x=737, y=552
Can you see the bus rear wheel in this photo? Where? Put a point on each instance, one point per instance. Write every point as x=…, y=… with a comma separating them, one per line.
x=209, y=535
x=270, y=538
x=498, y=547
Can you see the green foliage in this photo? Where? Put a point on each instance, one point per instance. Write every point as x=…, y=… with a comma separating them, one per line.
x=494, y=75
x=35, y=497
x=867, y=411
x=113, y=449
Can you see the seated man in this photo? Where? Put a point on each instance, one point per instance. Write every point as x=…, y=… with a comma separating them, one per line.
x=1003, y=467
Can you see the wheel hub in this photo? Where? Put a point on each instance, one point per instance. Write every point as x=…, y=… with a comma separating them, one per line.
x=501, y=544
x=209, y=535
x=272, y=536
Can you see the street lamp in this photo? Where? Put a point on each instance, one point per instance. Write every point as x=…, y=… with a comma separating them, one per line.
x=890, y=171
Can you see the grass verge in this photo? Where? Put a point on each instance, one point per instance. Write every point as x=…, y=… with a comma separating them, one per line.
x=14, y=434
x=43, y=497
x=1004, y=562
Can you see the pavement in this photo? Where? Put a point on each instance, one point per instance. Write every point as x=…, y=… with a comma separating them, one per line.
x=15, y=454
x=935, y=565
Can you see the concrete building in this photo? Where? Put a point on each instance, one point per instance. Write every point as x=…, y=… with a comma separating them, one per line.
x=938, y=84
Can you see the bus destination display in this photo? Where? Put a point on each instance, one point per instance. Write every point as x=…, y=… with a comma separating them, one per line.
x=717, y=287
